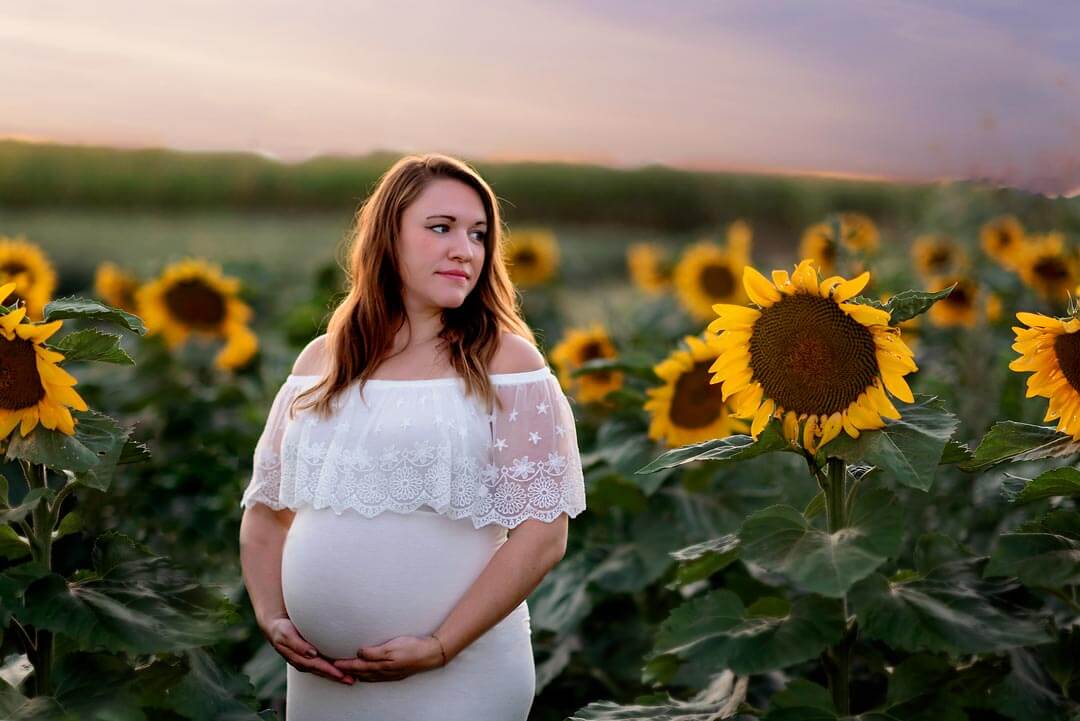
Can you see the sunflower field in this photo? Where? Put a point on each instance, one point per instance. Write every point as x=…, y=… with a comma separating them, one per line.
x=830, y=441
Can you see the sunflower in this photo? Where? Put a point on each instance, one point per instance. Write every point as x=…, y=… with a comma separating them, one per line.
x=707, y=274
x=857, y=232
x=25, y=264
x=581, y=345
x=936, y=253
x=116, y=286
x=688, y=408
x=1003, y=240
x=33, y=389
x=994, y=308
x=1050, y=347
x=192, y=297
x=532, y=256
x=911, y=328
x=808, y=355
x=649, y=266
x=1047, y=267
x=960, y=307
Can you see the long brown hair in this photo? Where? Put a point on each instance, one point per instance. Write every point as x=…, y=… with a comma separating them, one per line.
x=362, y=328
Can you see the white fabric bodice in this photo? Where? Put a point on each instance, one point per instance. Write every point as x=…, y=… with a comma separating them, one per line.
x=404, y=444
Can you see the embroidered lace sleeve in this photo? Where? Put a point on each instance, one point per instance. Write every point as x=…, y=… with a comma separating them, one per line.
x=265, y=484
x=536, y=466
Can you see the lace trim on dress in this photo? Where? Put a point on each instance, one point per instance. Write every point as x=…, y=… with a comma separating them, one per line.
x=420, y=442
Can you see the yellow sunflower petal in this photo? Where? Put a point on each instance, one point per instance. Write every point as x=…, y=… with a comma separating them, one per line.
x=761, y=418
x=758, y=288
x=851, y=288
x=898, y=387
x=866, y=314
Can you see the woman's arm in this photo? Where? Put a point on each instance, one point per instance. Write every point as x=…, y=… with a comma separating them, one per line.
x=262, y=539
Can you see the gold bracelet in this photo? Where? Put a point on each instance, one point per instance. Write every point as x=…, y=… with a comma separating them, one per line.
x=441, y=649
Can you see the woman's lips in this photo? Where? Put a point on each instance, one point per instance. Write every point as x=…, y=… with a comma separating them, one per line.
x=453, y=276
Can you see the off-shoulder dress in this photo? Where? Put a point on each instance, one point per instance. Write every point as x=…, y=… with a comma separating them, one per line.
x=402, y=495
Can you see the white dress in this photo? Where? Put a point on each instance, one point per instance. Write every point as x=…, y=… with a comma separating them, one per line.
x=402, y=496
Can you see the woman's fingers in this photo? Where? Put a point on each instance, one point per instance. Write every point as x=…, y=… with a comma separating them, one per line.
x=317, y=665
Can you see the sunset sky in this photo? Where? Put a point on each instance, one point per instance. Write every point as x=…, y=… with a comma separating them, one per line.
x=920, y=90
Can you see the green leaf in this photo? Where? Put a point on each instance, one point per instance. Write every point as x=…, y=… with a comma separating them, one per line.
x=12, y=545
x=561, y=601
x=133, y=452
x=92, y=345
x=945, y=607
x=107, y=439
x=29, y=502
x=1012, y=441
x=907, y=449
x=955, y=452
x=133, y=601
x=195, y=686
x=622, y=444
x=715, y=631
x=659, y=709
x=907, y=304
x=780, y=539
x=733, y=448
x=1056, y=482
x=1046, y=558
x=640, y=366
x=702, y=560
x=51, y=448
x=89, y=309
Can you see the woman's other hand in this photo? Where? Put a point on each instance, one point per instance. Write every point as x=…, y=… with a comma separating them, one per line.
x=394, y=660
x=300, y=654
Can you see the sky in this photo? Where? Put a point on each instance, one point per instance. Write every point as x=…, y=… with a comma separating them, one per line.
x=914, y=90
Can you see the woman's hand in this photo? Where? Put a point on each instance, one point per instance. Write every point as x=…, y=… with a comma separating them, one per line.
x=394, y=660
x=300, y=654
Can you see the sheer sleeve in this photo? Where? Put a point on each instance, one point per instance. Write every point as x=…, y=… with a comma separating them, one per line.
x=536, y=466
x=265, y=484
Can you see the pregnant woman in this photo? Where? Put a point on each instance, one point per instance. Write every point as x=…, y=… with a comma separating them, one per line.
x=416, y=474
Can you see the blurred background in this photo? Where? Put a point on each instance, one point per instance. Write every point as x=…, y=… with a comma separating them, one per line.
x=194, y=161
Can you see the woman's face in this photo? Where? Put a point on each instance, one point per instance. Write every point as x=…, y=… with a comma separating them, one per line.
x=441, y=244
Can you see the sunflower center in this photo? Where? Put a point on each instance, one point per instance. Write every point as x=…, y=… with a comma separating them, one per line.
x=828, y=251
x=1051, y=269
x=525, y=256
x=594, y=349
x=195, y=303
x=13, y=268
x=695, y=402
x=20, y=383
x=718, y=280
x=939, y=258
x=1067, y=350
x=810, y=356
x=961, y=296
x=1004, y=239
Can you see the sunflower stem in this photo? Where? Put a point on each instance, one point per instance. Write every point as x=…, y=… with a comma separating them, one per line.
x=837, y=661
x=40, y=653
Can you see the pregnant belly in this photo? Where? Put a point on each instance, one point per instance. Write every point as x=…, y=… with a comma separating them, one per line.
x=350, y=581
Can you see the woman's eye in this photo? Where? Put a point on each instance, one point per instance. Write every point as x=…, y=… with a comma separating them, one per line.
x=440, y=225
x=480, y=234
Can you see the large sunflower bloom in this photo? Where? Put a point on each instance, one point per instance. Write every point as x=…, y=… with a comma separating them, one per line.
x=936, y=254
x=33, y=389
x=1051, y=348
x=581, y=345
x=960, y=307
x=809, y=357
x=1046, y=266
x=532, y=256
x=649, y=267
x=688, y=408
x=708, y=274
x=1003, y=240
x=192, y=297
x=116, y=286
x=27, y=266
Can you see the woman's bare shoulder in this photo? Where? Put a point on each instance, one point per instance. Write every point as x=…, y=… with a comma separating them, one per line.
x=515, y=355
x=312, y=360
